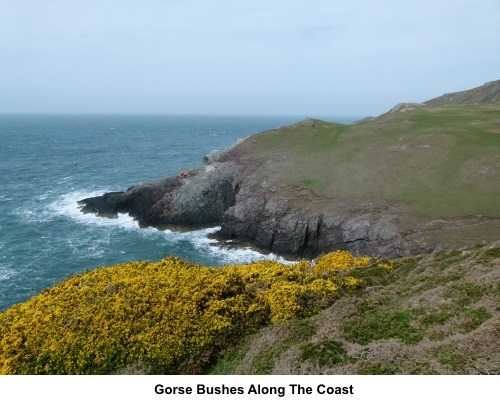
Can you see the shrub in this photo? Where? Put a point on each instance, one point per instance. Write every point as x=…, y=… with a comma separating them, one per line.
x=379, y=369
x=172, y=316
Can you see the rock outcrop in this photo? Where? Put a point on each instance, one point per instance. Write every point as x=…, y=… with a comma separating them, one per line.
x=192, y=199
x=268, y=214
x=295, y=222
x=488, y=93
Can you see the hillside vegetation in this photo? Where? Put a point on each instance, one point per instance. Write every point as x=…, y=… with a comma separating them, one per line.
x=165, y=317
x=429, y=314
x=432, y=314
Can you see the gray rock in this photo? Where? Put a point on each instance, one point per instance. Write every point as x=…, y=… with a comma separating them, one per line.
x=194, y=198
x=262, y=211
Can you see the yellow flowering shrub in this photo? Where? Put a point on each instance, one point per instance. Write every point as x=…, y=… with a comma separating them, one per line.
x=340, y=260
x=385, y=264
x=173, y=316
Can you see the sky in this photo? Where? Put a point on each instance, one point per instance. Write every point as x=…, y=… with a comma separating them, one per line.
x=316, y=58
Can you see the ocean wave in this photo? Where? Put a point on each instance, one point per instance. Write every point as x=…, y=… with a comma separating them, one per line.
x=204, y=244
x=33, y=215
x=198, y=241
x=67, y=206
x=6, y=273
x=89, y=248
x=4, y=198
x=244, y=255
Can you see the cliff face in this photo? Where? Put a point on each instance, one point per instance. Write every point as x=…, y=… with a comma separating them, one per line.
x=403, y=183
x=295, y=222
x=192, y=199
x=250, y=207
x=274, y=217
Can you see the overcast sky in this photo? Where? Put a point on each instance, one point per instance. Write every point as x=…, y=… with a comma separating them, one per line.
x=309, y=58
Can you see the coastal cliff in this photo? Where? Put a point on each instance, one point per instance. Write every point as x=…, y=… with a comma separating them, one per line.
x=418, y=177
x=271, y=215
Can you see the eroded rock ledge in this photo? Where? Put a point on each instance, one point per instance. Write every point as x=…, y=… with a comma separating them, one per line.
x=262, y=211
x=192, y=199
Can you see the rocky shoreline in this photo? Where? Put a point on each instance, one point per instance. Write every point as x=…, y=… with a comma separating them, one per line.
x=268, y=214
x=273, y=216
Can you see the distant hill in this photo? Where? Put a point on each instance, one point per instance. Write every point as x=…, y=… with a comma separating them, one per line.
x=488, y=93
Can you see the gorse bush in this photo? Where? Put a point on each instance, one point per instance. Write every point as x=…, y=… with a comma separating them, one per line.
x=171, y=316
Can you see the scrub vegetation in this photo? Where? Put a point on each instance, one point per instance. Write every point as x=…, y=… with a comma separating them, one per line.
x=429, y=314
x=432, y=314
x=166, y=317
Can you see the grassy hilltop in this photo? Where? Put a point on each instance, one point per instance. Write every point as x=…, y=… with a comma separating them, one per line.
x=434, y=166
x=441, y=161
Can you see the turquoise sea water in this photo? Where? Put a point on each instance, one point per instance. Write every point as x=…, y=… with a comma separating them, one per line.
x=48, y=163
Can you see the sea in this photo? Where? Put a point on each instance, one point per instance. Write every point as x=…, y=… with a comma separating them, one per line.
x=50, y=162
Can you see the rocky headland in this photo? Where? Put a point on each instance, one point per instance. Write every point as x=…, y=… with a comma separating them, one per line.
x=272, y=215
x=418, y=177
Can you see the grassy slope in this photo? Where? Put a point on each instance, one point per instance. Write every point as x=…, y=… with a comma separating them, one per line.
x=433, y=314
x=442, y=161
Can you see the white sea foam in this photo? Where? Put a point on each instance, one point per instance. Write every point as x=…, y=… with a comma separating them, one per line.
x=243, y=255
x=89, y=248
x=33, y=215
x=204, y=244
x=6, y=273
x=43, y=197
x=4, y=198
x=67, y=206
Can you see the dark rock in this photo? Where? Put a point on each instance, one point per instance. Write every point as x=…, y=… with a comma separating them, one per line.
x=141, y=202
x=251, y=209
x=308, y=226
x=193, y=198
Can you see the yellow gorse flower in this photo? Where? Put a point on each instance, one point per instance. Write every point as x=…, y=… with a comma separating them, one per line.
x=173, y=316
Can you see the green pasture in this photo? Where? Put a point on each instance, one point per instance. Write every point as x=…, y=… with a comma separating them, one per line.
x=441, y=161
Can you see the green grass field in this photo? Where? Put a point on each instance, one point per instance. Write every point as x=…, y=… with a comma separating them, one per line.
x=441, y=161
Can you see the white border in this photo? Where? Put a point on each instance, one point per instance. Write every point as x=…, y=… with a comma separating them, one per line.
x=138, y=390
